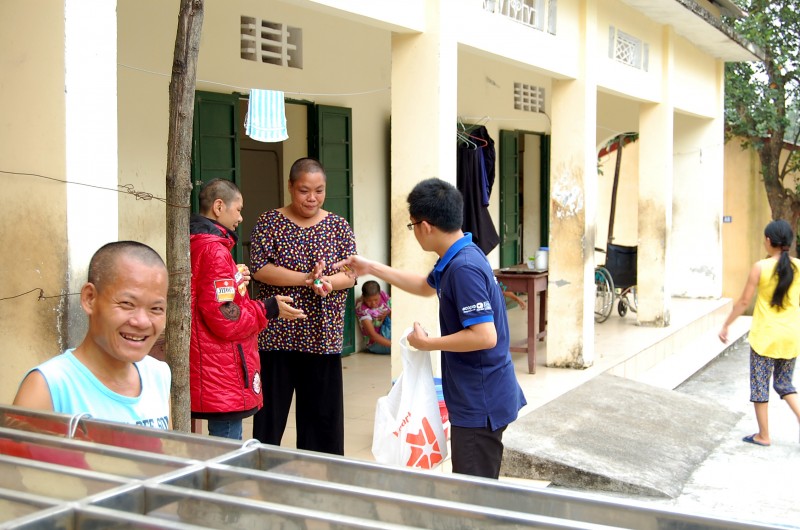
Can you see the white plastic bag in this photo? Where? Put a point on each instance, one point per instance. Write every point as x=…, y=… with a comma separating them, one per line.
x=408, y=423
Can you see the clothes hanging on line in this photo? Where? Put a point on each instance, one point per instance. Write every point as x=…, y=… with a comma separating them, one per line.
x=266, y=116
x=474, y=169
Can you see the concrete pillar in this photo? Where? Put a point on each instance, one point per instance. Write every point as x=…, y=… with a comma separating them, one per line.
x=573, y=199
x=655, y=198
x=424, y=96
x=696, y=239
x=90, y=64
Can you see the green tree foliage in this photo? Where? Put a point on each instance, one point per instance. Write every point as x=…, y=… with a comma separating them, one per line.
x=762, y=99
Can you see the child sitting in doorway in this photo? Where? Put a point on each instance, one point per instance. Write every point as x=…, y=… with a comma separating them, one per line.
x=373, y=311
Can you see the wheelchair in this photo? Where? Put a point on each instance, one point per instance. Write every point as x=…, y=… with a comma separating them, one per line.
x=615, y=281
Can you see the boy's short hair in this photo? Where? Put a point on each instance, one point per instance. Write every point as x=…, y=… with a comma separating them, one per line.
x=370, y=288
x=102, y=266
x=439, y=203
x=217, y=189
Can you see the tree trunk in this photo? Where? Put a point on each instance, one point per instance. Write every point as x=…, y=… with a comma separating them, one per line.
x=179, y=189
x=783, y=203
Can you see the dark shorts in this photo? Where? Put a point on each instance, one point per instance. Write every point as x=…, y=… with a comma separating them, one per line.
x=764, y=368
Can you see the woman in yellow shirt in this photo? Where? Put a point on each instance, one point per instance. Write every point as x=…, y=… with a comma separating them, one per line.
x=775, y=331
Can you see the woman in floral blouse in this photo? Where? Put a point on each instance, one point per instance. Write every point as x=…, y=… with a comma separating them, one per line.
x=292, y=249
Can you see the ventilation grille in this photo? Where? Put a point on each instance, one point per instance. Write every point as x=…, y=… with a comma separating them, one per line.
x=271, y=42
x=627, y=49
x=528, y=97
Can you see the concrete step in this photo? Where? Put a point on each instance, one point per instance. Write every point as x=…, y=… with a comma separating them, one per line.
x=688, y=360
x=693, y=328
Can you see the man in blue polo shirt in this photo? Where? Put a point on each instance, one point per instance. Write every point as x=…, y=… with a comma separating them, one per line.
x=480, y=387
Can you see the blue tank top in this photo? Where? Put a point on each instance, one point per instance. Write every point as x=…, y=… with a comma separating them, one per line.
x=74, y=389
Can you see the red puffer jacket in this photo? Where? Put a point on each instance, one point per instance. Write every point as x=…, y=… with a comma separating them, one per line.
x=225, y=371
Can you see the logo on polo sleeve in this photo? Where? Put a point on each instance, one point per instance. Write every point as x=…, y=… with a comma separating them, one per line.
x=225, y=290
x=480, y=306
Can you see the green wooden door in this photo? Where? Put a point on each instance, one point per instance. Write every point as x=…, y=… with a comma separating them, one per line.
x=510, y=220
x=215, y=145
x=332, y=146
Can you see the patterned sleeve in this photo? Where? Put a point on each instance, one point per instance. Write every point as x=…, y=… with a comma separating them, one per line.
x=347, y=242
x=261, y=244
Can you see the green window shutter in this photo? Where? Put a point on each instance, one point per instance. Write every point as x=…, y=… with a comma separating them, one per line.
x=510, y=220
x=334, y=133
x=332, y=146
x=215, y=144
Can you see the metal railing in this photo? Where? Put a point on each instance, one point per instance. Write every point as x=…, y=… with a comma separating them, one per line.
x=59, y=472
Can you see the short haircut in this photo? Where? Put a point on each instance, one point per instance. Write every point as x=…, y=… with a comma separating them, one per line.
x=217, y=189
x=370, y=288
x=439, y=203
x=305, y=165
x=102, y=266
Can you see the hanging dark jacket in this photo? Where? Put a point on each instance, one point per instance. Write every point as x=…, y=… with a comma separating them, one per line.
x=471, y=180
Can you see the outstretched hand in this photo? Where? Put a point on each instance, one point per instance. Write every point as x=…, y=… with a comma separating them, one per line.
x=287, y=312
x=354, y=266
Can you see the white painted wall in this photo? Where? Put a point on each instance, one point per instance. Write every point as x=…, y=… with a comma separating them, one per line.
x=90, y=65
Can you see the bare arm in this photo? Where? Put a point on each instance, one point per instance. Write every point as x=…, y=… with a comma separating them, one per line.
x=743, y=302
x=280, y=276
x=477, y=337
x=283, y=277
x=34, y=393
x=369, y=329
x=410, y=282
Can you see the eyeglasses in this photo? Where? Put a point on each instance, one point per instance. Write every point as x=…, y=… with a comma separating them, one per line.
x=411, y=225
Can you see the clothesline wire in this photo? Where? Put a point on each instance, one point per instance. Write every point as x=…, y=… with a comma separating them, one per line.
x=127, y=189
x=246, y=89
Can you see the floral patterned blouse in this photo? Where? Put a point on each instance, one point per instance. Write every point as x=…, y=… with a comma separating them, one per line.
x=279, y=241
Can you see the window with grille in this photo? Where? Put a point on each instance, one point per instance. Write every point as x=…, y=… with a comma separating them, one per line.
x=538, y=14
x=627, y=49
x=271, y=42
x=528, y=97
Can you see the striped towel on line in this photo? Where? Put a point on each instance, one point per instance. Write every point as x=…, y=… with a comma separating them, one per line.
x=266, y=116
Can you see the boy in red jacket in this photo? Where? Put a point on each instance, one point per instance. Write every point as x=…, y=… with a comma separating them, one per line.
x=225, y=371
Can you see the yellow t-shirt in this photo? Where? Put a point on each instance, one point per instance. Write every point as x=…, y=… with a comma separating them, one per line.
x=775, y=332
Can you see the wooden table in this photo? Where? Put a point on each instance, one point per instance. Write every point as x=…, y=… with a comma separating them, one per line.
x=520, y=278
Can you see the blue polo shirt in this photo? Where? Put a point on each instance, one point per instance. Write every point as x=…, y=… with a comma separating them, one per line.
x=480, y=387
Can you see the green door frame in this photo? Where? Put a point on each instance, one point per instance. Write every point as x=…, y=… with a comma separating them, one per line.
x=511, y=206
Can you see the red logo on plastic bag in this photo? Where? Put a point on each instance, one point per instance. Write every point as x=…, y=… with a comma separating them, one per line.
x=425, y=451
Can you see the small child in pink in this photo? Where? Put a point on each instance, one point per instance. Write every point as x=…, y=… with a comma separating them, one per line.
x=373, y=311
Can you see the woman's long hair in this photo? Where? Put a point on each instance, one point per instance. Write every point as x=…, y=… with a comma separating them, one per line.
x=779, y=233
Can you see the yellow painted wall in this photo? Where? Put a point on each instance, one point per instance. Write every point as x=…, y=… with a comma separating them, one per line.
x=333, y=73
x=695, y=83
x=486, y=95
x=626, y=216
x=615, y=76
x=745, y=201
x=557, y=54
x=31, y=141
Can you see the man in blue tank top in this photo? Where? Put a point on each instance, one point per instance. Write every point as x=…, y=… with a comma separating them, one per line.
x=109, y=375
x=480, y=387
